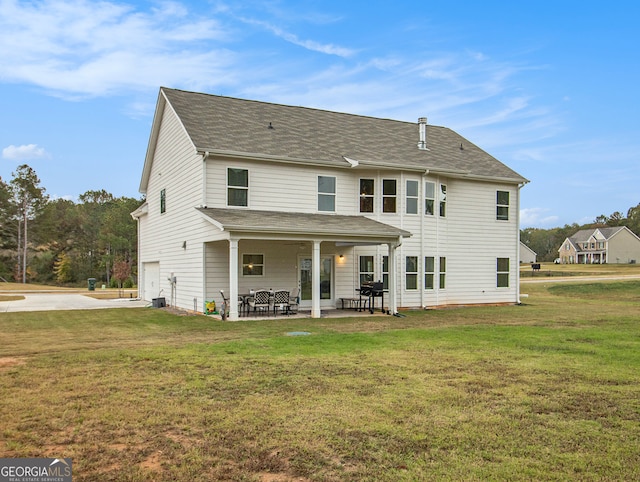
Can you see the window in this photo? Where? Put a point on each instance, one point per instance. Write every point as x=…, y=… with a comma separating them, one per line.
x=366, y=195
x=443, y=200
x=412, y=197
x=163, y=201
x=429, y=197
x=388, y=195
x=237, y=187
x=366, y=269
x=252, y=265
x=326, y=193
x=443, y=272
x=429, y=272
x=502, y=205
x=503, y=272
x=385, y=272
x=411, y=273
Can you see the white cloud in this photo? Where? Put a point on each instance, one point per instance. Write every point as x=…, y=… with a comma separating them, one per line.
x=537, y=217
x=24, y=152
x=84, y=48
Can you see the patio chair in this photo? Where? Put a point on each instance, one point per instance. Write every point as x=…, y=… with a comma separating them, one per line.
x=294, y=301
x=260, y=301
x=281, y=301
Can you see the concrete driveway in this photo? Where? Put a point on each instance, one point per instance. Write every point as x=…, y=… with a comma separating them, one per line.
x=64, y=301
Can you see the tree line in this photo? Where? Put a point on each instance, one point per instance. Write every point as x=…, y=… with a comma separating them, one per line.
x=58, y=241
x=546, y=242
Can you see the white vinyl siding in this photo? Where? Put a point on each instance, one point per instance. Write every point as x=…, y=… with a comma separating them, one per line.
x=177, y=169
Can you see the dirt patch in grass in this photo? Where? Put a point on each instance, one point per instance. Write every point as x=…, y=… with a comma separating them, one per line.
x=11, y=361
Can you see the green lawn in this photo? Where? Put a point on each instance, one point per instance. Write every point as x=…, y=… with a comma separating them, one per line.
x=549, y=390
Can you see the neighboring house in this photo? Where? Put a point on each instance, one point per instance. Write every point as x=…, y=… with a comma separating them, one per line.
x=244, y=195
x=527, y=255
x=601, y=245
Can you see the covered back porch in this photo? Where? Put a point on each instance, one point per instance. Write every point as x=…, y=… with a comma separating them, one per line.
x=309, y=255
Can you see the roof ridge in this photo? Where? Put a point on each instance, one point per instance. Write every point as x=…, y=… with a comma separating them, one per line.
x=289, y=106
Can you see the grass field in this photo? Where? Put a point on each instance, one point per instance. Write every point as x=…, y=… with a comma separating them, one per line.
x=549, y=390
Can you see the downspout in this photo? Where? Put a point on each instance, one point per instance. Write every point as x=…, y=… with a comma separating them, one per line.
x=422, y=251
x=520, y=186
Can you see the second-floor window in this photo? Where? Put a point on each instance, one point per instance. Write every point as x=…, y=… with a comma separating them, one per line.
x=429, y=197
x=237, y=187
x=389, y=195
x=502, y=205
x=163, y=201
x=326, y=193
x=366, y=195
x=412, y=197
x=443, y=200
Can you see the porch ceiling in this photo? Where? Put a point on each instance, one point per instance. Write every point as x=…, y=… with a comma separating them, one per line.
x=327, y=226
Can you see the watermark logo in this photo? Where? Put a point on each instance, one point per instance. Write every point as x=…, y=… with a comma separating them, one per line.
x=35, y=470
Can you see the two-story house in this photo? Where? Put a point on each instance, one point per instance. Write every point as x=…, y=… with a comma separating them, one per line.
x=243, y=195
x=600, y=245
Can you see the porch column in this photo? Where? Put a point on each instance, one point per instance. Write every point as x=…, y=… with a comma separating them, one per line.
x=315, y=281
x=233, y=279
x=393, y=300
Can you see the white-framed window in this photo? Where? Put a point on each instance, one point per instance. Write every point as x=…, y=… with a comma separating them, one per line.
x=429, y=272
x=502, y=205
x=385, y=272
x=429, y=198
x=367, y=191
x=443, y=273
x=366, y=269
x=412, y=197
x=389, y=193
x=163, y=201
x=326, y=193
x=253, y=265
x=443, y=200
x=411, y=273
x=237, y=187
x=502, y=268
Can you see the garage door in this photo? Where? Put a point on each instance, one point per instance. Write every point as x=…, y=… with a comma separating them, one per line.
x=151, y=280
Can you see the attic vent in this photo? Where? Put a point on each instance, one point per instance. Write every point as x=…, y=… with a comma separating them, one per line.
x=422, y=124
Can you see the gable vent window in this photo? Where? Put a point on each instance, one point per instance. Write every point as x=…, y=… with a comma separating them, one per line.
x=163, y=201
x=237, y=187
x=326, y=193
x=502, y=205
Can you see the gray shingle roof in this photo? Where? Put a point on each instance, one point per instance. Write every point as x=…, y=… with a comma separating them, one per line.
x=583, y=235
x=301, y=223
x=216, y=123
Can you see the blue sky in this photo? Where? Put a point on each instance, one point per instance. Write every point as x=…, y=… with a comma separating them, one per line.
x=549, y=87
